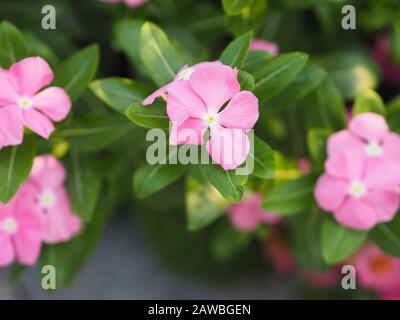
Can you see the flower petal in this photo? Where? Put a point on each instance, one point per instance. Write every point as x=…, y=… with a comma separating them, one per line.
x=6, y=250
x=391, y=146
x=330, y=192
x=48, y=172
x=228, y=147
x=355, y=214
x=8, y=93
x=159, y=92
x=38, y=123
x=28, y=245
x=31, y=74
x=190, y=132
x=241, y=112
x=342, y=141
x=384, y=204
x=54, y=102
x=11, y=126
x=215, y=84
x=347, y=165
x=369, y=126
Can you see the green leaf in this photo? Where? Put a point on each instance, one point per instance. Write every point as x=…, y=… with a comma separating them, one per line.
x=351, y=72
x=290, y=197
x=13, y=46
x=235, y=53
x=119, y=93
x=159, y=56
x=264, y=163
x=387, y=236
x=277, y=74
x=84, y=183
x=306, y=81
x=393, y=114
x=149, y=179
x=254, y=61
x=338, y=242
x=204, y=204
x=154, y=116
x=395, y=48
x=230, y=185
x=39, y=48
x=316, y=141
x=95, y=131
x=246, y=80
x=369, y=101
x=77, y=71
x=15, y=167
x=324, y=107
x=234, y=7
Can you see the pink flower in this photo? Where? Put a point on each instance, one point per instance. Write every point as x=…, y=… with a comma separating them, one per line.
x=20, y=237
x=262, y=45
x=45, y=188
x=248, y=214
x=304, y=165
x=130, y=3
x=21, y=103
x=277, y=251
x=360, y=185
x=195, y=105
x=321, y=279
x=381, y=54
x=376, y=269
x=390, y=294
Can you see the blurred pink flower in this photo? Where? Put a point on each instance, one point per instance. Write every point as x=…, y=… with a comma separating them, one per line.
x=248, y=214
x=130, y=3
x=22, y=105
x=194, y=106
x=381, y=54
x=377, y=270
x=304, y=165
x=360, y=185
x=20, y=236
x=45, y=188
x=277, y=251
x=390, y=294
x=263, y=45
x=321, y=279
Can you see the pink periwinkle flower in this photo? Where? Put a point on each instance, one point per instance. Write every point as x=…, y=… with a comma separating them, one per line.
x=321, y=279
x=381, y=54
x=377, y=270
x=21, y=103
x=211, y=99
x=248, y=214
x=277, y=252
x=20, y=232
x=263, y=45
x=45, y=187
x=360, y=184
x=129, y=3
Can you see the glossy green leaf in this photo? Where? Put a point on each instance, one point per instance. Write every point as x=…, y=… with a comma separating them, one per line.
x=246, y=81
x=13, y=45
x=154, y=116
x=235, y=53
x=263, y=157
x=387, y=236
x=316, y=141
x=369, y=101
x=234, y=7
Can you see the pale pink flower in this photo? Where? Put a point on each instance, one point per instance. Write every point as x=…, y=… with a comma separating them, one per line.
x=321, y=279
x=20, y=234
x=183, y=75
x=248, y=214
x=21, y=103
x=360, y=185
x=46, y=188
x=277, y=252
x=263, y=45
x=130, y=3
x=381, y=54
x=195, y=105
x=376, y=269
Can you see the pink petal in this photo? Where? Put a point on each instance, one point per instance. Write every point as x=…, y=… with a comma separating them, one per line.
x=135, y=3
x=54, y=102
x=215, y=84
x=228, y=147
x=369, y=126
x=330, y=192
x=348, y=165
x=391, y=146
x=190, y=132
x=48, y=172
x=8, y=93
x=262, y=45
x=28, y=245
x=38, y=123
x=159, y=92
x=355, y=214
x=242, y=217
x=182, y=102
x=343, y=140
x=11, y=126
x=382, y=174
x=31, y=74
x=384, y=204
x=6, y=250
x=241, y=112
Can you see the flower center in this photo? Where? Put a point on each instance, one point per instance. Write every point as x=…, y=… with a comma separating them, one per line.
x=24, y=103
x=373, y=149
x=211, y=120
x=9, y=225
x=47, y=199
x=357, y=189
x=381, y=265
x=185, y=74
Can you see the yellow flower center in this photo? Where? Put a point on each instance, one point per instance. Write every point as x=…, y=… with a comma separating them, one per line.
x=373, y=149
x=9, y=225
x=24, y=103
x=211, y=119
x=47, y=199
x=357, y=189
